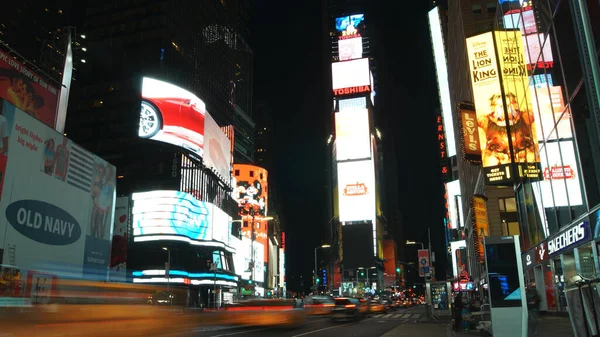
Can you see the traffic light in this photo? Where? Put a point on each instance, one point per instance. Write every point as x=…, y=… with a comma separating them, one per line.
x=318, y=280
x=249, y=281
x=414, y=287
x=397, y=270
x=362, y=273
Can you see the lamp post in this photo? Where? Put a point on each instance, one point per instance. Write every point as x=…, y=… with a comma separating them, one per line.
x=316, y=273
x=168, y=273
x=408, y=242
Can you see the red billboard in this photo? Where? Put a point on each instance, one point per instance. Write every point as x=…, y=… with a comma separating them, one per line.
x=27, y=91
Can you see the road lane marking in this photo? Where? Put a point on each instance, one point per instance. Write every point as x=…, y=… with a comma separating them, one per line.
x=397, y=316
x=378, y=316
x=239, y=332
x=387, y=316
x=416, y=315
x=314, y=331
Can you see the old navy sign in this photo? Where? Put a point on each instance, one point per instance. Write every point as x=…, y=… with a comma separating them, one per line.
x=569, y=238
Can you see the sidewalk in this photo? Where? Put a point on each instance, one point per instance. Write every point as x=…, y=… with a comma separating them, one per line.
x=548, y=326
x=422, y=330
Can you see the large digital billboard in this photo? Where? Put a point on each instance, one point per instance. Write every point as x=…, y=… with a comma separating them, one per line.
x=252, y=189
x=561, y=185
x=118, y=255
x=495, y=120
x=453, y=189
x=172, y=115
x=548, y=106
x=57, y=200
x=176, y=215
x=351, y=77
x=356, y=190
x=349, y=26
x=217, y=149
x=439, y=55
x=350, y=49
x=480, y=225
x=536, y=53
x=27, y=91
x=352, y=137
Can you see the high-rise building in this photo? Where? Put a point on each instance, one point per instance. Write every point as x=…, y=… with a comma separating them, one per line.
x=263, y=154
x=545, y=189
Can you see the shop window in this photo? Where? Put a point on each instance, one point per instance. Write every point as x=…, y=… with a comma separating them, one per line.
x=586, y=261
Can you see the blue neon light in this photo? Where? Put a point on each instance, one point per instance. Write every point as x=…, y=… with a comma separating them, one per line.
x=192, y=275
x=343, y=22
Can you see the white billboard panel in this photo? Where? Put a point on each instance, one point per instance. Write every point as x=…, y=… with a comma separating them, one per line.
x=533, y=46
x=548, y=106
x=259, y=262
x=352, y=138
x=217, y=149
x=454, y=246
x=281, y=267
x=561, y=179
x=453, y=189
x=356, y=190
x=349, y=74
x=118, y=255
x=439, y=55
x=350, y=49
x=240, y=257
x=57, y=201
x=353, y=103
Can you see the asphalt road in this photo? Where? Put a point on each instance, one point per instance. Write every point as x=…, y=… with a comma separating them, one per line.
x=373, y=326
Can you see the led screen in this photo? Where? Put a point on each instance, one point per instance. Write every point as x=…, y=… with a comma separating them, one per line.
x=350, y=74
x=453, y=189
x=503, y=274
x=437, y=41
x=353, y=103
x=349, y=25
x=350, y=49
x=27, y=91
x=514, y=21
x=455, y=246
x=118, y=255
x=561, y=178
x=549, y=108
x=172, y=115
x=218, y=149
x=353, y=140
x=176, y=213
x=356, y=192
x=534, y=49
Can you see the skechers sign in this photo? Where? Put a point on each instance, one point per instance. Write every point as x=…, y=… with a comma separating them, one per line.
x=43, y=222
x=572, y=236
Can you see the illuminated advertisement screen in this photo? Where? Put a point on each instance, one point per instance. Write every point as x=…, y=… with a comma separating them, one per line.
x=561, y=178
x=168, y=214
x=172, y=115
x=471, y=144
x=503, y=275
x=535, y=52
x=514, y=21
x=351, y=74
x=259, y=261
x=242, y=252
x=118, y=255
x=57, y=200
x=480, y=225
x=439, y=54
x=349, y=26
x=453, y=188
x=549, y=108
x=350, y=49
x=27, y=91
x=356, y=193
x=454, y=247
x=252, y=189
x=217, y=149
x=352, y=103
x=493, y=119
x=353, y=140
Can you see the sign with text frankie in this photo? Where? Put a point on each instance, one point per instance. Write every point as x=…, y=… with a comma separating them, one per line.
x=569, y=238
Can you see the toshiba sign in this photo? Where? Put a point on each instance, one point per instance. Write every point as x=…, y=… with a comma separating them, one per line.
x=353, y=90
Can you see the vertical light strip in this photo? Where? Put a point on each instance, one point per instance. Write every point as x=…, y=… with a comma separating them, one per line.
x=439, y=56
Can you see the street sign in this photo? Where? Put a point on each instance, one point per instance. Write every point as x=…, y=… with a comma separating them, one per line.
x=423, y=258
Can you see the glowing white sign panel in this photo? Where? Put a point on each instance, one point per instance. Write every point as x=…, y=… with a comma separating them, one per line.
x=352, y=136
x=350, y=49
x=356, y=190
x=350, y=74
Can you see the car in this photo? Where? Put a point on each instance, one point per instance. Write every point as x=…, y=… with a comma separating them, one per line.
x=319, y=305
x=377, y=307
x=161, y=298
x=171, y=114
x=348, y=308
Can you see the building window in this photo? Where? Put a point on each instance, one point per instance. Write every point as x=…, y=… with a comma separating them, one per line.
x=509, y=216
x=476, y=9
x=491, y=8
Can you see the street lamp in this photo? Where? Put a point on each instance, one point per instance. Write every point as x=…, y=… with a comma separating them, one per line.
x=168, y=273
x=408, y=242
x=316, y=248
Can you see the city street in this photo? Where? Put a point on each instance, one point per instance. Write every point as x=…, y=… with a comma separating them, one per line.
x=403, y=322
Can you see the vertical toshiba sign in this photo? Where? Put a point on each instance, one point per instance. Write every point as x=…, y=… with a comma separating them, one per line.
x=442, y=149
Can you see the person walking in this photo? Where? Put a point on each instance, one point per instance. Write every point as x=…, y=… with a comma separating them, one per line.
x=533, y=308
x=458, y=307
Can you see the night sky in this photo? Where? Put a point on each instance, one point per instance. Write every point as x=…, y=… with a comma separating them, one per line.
x=289, y=71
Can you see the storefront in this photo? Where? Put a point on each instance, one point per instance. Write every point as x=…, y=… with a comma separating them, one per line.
x=551, y=264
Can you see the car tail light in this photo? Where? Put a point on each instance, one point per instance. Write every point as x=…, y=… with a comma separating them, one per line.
x=350, y=305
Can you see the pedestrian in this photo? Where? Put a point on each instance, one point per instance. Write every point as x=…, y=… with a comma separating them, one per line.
x=458, y=307
x=533, y=308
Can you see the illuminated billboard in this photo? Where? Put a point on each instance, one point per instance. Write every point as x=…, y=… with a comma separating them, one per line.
x=351, y=77
x=118, y=255
x=356, y=190
x=526, y=23
x=252, y=188
x=536, y=53
x=549, y=108
x=349, y=26
x=495, y=122
x=458, y=265
x=439, y=55
x=471, y=144
x=217, y=149
x=352, y=103
x=480, y=225
x=561, y=177
x=176, y=215
x=172, y=115
x=352, y=137
x=57, y=200
x=27, y=91
x=350, y=49
x=453, y=190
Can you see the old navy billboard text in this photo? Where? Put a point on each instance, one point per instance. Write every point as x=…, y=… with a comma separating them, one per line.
x=43, y=222
x=567, y=238
x=352, y=90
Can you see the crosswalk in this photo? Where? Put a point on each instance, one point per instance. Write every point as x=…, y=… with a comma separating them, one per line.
x=397, y=316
